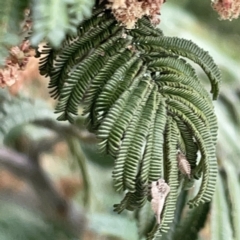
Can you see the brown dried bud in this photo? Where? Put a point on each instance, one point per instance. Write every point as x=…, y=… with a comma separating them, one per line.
x=8, y=76
x=159, y=192
x=15, y=62
x=183, y=164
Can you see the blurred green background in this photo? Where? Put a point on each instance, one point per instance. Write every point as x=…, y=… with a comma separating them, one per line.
x=78, y=177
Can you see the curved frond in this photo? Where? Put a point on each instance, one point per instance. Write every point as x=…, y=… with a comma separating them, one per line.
x=69, y=56
x=194, y=101
x=186, y=49
x=170, y=174
x=78, y=81
x=156, y=163
x=173, y=65
x=99, y=94
x=128, y=162
x=132, y=112
x=207, y=149
x=133, y=200
x=190, y=147
x=116, y=110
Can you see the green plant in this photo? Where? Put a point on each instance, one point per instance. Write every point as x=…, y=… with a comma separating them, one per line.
x=144, y=102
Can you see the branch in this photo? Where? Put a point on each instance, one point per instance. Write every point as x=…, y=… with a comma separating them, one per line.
x=63, y=129
x=55, y=206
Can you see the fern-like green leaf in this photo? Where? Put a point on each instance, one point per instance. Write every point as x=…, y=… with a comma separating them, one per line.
x=156, y=163
x=75, y=87
x=190, y=147
x=207, y=148
x=170, y=174
x=130, y=123
x=115, y=112
x=186, y=49
x=144, y=102
x=194, y=101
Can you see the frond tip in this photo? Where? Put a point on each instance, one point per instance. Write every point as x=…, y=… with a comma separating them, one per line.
x=145, y=103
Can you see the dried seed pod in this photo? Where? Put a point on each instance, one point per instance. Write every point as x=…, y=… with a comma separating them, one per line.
x=159, y=192
x=183, y=164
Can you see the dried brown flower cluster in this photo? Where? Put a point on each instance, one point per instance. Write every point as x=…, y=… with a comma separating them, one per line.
x=128, y=12
x=15, y=62
x=227, y=9
x=159, y=192
x=183, y=164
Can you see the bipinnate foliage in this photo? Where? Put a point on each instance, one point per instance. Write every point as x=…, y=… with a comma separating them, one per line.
x=144, y=101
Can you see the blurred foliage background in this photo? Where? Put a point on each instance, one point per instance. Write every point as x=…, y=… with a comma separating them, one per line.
x=58, y=186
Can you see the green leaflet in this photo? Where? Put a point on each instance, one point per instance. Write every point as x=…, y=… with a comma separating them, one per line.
x=151, y=151
x=171, y=176
x=116, y=85
x=144, y=102
x=135, y=152
x=130, y=112
x=177, y=217
x=189, y=81
x=144, y=28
